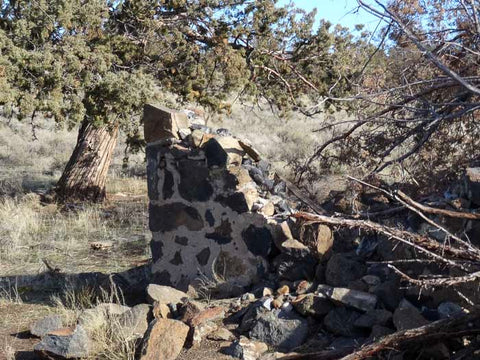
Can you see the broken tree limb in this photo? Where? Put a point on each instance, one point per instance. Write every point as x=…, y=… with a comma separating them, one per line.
x=436, y=211
x=462, y=325
x=394, y=196
x=443, y=281
x=422, y=243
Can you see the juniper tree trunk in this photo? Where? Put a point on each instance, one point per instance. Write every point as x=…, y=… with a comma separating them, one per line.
x=85, y=175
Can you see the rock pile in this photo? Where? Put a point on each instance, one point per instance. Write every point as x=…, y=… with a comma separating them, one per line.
x=222, y=229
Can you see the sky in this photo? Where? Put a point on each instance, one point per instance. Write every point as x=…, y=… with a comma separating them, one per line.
x=339, y=12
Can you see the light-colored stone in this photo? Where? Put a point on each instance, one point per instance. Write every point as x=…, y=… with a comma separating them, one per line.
x=164, y=340
x=161, y=123
x=268, y=209
x=201, y=331
x=134, y=323
x=284, y=290
x=161, y=311
x=246, y=349
x=101, y=245
x=277, y=302
x=164, y=294
x=356, y=299
x=45, y=325
x=324, y=241
x=221, y=334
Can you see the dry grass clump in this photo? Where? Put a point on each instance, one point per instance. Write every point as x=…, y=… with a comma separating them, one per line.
x=110, y=342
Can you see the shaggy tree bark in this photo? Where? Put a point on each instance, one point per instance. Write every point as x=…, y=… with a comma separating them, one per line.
x=85, y=175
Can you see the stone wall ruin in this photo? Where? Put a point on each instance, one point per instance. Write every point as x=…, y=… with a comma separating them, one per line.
x=215, y=207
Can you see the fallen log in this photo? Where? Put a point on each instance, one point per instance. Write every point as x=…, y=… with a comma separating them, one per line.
x=424, y=244
x=436, y=211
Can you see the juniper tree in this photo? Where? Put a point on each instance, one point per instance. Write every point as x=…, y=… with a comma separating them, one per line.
x=96, y=62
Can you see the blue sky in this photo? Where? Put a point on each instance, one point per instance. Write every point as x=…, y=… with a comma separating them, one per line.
x=339, y=12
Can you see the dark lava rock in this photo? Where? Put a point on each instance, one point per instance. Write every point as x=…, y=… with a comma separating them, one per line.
x=340, y=321
x=343, y=268
x=284, y=330
x=292, y=268
x=64, y=343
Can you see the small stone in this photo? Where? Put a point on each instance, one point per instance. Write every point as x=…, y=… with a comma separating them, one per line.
x=246, y=349
x=210, y=314
x=101, y=245
x=408, y=317
x=448, y=309
x=164, y=294
x=248, y=297
x=312, y=305
x=221, y=334
x=201, y=331
x=164, y=340
x=373, y=317
x=268, y=209
x=278, y=302
x=371, y=280
x=287, y=306
x=184, y=133
x=66, y=343
x=303, y=286
x=161, y=311
x=43, y=326
x=267, y=303
x=389, y=293
x=267, y=292
x=284, y=290
x=324, y=241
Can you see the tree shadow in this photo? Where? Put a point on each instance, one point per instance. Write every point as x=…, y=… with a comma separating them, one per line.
x=38, y=288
